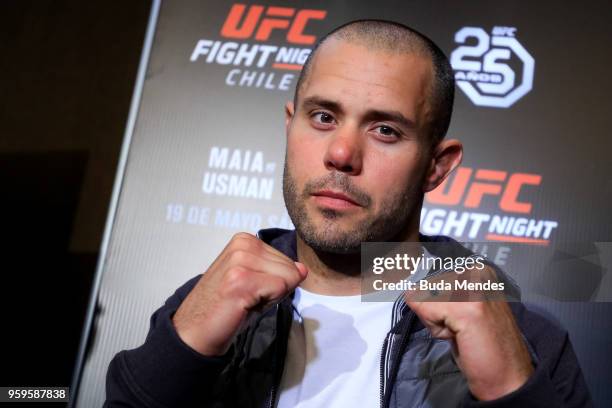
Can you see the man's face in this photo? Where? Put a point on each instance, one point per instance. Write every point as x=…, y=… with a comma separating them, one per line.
x=357, y=150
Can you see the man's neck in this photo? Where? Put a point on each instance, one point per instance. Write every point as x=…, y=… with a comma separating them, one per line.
x=335, y=274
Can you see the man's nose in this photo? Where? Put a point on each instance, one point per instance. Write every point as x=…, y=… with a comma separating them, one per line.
x=344, y=152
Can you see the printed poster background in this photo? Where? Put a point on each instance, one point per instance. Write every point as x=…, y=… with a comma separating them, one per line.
x=193, y=129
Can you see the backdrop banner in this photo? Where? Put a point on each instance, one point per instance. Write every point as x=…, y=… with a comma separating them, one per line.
x=205, y=148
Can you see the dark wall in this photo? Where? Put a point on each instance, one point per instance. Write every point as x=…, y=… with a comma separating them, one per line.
x=67, y=70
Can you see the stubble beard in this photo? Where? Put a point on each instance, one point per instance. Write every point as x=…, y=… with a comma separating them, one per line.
x=329, y=236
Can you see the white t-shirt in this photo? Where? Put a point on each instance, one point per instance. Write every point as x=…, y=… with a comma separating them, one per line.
x=334, y=351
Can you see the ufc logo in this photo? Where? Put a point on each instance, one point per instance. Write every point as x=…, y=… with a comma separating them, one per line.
x=275, y=18
x=486, y=182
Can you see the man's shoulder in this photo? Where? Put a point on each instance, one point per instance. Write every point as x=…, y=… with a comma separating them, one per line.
x=542, y=330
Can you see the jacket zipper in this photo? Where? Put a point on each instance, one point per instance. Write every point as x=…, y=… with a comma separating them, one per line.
x=272, y=396
x=383, y=357
x=396, y=356
x=272, y=393
x=384, y=402
x=275, y=363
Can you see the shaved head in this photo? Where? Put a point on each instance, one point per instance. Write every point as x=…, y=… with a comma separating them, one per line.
x=395, y=38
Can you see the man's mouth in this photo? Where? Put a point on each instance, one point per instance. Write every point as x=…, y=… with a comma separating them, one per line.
x=335, y=199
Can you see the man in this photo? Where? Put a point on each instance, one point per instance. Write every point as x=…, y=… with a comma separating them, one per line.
x=277, y=320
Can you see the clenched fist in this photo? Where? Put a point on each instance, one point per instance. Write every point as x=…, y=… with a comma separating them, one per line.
x=487, y=343
x=248, y=275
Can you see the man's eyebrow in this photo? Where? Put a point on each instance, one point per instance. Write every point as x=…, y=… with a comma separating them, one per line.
x=391, y=116
x=318, y=102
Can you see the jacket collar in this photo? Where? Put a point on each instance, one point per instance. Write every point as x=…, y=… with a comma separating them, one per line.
x=281, y=239
x=285, y=241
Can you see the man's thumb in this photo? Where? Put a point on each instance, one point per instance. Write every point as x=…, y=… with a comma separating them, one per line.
x=302, y=269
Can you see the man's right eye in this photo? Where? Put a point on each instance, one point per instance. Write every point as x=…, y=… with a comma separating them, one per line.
x=323, y=117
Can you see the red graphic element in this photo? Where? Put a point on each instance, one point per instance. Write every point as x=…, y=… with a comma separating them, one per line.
x=455, y=191
x=275, y=18
x=509, y=201
x=511, y=238
x=478, y=190
x=269, y=24
x=296, y=33
x=291, y=67
x=485, y=182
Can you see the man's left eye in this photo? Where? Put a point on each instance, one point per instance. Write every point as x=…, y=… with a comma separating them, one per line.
x=387, y=131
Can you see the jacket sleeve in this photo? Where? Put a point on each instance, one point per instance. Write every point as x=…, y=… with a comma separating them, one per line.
x=164, y=371
x=557, y=380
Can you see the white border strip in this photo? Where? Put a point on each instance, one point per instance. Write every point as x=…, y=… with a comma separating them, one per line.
x=127, y=139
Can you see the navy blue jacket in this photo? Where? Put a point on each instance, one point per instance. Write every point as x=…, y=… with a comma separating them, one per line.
x=416, y=369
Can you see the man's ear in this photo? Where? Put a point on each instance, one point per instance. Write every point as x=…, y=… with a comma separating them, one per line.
x=446, y=157
x=289, y=112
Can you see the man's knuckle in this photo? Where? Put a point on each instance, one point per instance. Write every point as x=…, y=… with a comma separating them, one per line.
x=239, y=256
x=242, y=240
x=235, y=277
x=241, y=236
x=476, y=309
